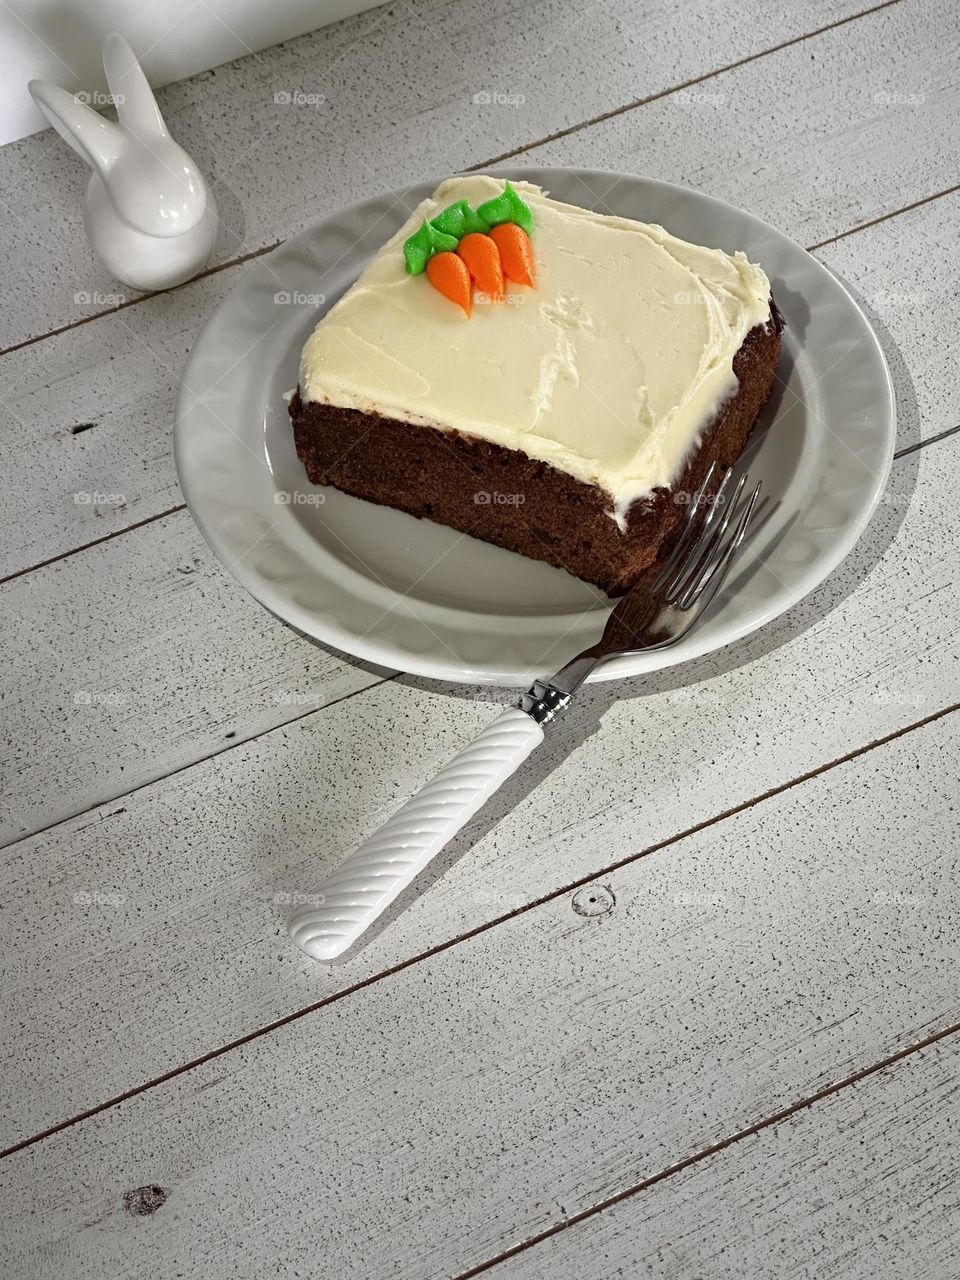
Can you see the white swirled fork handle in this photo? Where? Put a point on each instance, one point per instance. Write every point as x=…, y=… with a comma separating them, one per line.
x=372, y=877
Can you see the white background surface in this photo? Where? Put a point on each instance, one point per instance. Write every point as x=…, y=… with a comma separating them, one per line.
x=60, y=41
x=683, y=1001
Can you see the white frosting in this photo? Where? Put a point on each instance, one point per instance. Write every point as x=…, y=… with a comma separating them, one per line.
x=609, y=369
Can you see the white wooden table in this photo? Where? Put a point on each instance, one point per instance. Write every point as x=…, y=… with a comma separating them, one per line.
x=683, y=1001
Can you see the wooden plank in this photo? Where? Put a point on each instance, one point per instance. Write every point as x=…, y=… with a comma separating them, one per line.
x=835, y=131
x=860, y=1186
x=121, y=375
x=901, y=272
x=86, y=423
x=397, y=88
x=170, y=904
x=474, y=1099
x=137, y=658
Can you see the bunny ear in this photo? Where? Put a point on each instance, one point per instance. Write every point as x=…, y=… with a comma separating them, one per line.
x=132, y=95
x=94, y=139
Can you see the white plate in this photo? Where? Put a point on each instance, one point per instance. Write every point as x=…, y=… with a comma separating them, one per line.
x=410, y=594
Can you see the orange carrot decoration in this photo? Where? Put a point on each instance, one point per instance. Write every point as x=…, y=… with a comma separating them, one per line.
x=516, y=252
x=483, y=262
x=449, y=275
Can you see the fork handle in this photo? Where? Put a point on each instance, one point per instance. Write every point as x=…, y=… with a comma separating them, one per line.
x=371, y=878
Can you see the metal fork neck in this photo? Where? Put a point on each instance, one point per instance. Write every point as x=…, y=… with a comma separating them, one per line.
x=547, y=698
x=542, y=701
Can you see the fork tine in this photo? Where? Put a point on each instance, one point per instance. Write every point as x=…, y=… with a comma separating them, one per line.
x=714, y=573
x=710, y=538
x=694, y=532
x=688, y=522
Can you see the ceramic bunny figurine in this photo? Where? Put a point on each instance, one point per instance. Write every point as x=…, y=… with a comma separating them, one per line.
x=148, y=213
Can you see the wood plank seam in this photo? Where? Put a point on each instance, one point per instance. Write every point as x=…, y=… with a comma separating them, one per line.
x=608, y=115
x=95, y=542
x=687, y=84
x=142, y=297
x=172, y=773
x=875, y=222
x=921, y=444
x=767, y=1122
x=477, y=930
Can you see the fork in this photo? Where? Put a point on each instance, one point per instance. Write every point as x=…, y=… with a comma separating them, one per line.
x=651, y=616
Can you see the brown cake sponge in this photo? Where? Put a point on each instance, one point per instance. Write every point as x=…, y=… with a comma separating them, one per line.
x=513, y=501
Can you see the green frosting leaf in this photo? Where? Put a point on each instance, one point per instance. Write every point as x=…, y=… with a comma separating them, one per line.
x=423, y=244
x=507, y=207
x=444, y=232
x=459, y=220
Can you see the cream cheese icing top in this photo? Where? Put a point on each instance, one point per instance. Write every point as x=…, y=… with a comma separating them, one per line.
x=608, y=369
